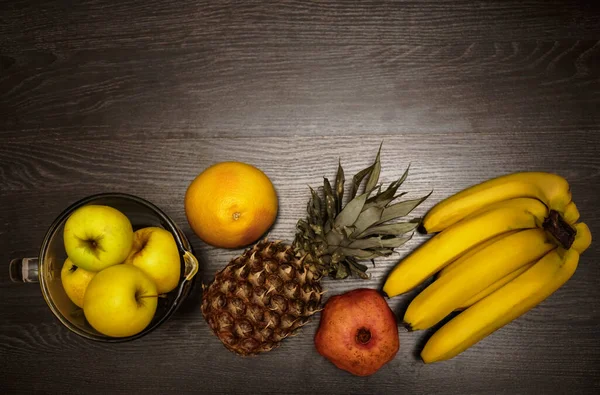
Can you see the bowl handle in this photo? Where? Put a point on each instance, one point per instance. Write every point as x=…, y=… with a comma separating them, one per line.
x=24, y=270
x=191, y=265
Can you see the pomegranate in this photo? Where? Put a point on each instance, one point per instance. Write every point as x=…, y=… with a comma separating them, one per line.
x=358, y=332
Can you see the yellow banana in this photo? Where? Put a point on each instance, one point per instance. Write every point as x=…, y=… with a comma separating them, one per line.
x=443, y=248
x=583, y=237
x=550, y=188
x=571, y=214
x=507, y=303
x=501, y=307
x=474, y=275
x=464, y=257
x=579, y=244
x=497, y=285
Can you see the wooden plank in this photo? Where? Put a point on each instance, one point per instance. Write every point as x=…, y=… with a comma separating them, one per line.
x=265, y=91
x=155, y=24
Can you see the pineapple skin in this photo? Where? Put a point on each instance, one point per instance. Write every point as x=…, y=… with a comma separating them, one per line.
x=260, y=298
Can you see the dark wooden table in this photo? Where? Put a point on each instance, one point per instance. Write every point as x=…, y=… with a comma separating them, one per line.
x=140, y=96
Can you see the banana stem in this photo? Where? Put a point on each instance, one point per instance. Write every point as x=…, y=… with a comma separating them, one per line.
x=560, y=229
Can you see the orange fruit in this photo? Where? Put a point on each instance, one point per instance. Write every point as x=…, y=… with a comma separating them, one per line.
x=231, y=204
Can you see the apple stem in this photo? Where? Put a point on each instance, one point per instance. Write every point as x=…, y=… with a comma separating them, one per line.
x=153, y=296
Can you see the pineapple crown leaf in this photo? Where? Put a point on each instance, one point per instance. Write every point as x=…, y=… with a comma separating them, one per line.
x=334, y=237
x=351, y=212
x=390, y=229
x=330, y=200
x=358, y=268
x=401, y=209
x=380, y=242
x=374, y=176
x=357, y=180
x=339, y=186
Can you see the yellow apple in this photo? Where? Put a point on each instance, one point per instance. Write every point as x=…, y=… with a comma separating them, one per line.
x=120, y=301
x=97, y=237
x=75, y=281
x=155, y=252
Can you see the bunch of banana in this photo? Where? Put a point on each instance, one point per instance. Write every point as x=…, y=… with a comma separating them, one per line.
x=516, y=229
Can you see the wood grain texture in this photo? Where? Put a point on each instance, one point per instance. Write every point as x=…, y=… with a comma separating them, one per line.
x=139, y=97
x=155, y=24
x=262, y=90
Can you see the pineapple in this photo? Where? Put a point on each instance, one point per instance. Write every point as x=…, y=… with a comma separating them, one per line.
x=272, y=289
